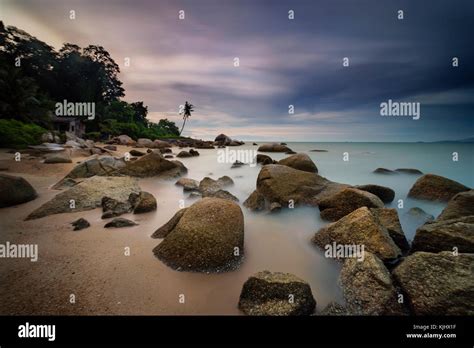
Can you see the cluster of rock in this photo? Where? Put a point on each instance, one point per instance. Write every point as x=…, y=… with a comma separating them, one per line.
x=208, y=187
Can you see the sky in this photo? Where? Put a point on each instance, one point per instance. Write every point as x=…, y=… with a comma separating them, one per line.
x=282, y=62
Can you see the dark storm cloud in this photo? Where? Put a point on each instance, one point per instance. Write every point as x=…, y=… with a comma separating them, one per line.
x=283, y=61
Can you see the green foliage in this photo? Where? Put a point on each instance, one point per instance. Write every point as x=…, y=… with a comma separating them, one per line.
x=17, y=134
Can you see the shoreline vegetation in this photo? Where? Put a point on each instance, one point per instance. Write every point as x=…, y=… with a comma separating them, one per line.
x=107, y=168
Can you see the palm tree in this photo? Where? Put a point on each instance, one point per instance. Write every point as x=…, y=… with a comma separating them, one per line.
x=188, y=108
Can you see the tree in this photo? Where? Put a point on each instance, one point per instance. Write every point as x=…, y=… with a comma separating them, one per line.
x=188, y=108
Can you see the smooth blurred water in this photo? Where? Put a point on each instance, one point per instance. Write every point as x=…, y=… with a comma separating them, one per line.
x=281, y=242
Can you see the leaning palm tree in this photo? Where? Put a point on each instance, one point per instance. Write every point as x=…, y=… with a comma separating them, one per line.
x=188, y=108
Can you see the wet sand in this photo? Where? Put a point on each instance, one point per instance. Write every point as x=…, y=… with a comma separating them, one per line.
x=92, y=265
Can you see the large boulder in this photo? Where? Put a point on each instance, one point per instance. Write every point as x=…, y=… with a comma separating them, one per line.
x=386, y=194
x=59, y=157
x=300, y=161
x=125, y=140
x=119, y=223
x=388, y=217
x=264, y=159
x=144, y=142
x=188, y=184
x=436, y=188
x=346, y=201
x=367, y=287
x=146, y=203
x=152, y=164
x=184, y=154
x=438, y=284
x=267, y=293
x=460, y=205
x=220, y=194
x=97, y=165
x=273, y=148
x=209, y=237
x=112, y=207
x=15, y=190
x=88, y=195
x=222, y=139
x=360, y=227
x=209, y=185
x=446, y=235
x=282, y=184
x=161, y=144
x=164, y=230
x=255, y=202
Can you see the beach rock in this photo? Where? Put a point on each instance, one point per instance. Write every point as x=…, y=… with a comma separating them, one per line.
x=80, y=224
x=436, y=188
x=164, y=230
x=153, y=164
x=282, y=294
x=188, y=184
x=143, y=142
x=168, y=150
x=110, y=147
x=222, y=139
x=359, y=227
x=193, y=153
x=209, y=185
x=273, y=148
x=283, y=184
x=72, y=143
x=409, y=171
x=169, y=156
x=386, y=194
x=254, y=144
x=120, y=222
x=255, y=202
x=161, y=144
x=300, y=161
x=146, y=203
x=384, y=171
x=460, y=205
x=237, y=164
x=209, y=237
x=136, y=153
x=317, y=150
x=335, y=309
x=60, y=157
x=367, y=287
x=220, y=194
x=125, y=140
x=98, y=165
x=264, y=159
x=87, y=195
x=112, y=207
x=184, y=154
x=420, y=215
x=346, y=201
x=445, y=235
x=15, y=190
x=438, y=284
x=388, y=217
